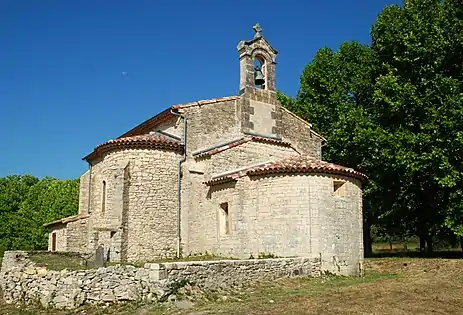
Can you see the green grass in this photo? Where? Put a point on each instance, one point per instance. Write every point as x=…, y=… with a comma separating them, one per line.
x=58, y=261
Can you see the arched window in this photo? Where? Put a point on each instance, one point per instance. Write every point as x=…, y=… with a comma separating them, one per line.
x=260, y=72
x=103, y=198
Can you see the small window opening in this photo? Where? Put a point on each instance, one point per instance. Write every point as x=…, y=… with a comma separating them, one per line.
x=103, y=201
x=260, y=72
x=339, y=188
x=224, y=219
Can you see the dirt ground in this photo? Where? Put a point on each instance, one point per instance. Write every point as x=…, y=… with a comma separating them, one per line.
x=390, y=286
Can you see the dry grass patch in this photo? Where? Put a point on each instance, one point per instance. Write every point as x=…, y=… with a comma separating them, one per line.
x=59, y=261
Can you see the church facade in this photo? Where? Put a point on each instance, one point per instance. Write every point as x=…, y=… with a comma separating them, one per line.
x=234, y=176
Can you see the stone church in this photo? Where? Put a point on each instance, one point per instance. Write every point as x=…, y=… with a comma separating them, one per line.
x=234, y=176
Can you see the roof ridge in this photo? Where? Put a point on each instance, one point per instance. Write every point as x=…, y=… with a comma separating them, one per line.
x=144, y=140
x=207, y=101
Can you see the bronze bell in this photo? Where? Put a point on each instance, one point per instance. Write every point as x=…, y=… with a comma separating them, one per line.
x=258, y=77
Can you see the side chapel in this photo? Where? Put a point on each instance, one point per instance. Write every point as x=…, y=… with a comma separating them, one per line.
x=234, y=176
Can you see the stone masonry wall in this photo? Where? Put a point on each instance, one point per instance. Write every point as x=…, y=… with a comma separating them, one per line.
x=286, y=215
x=83, y=192
x=338, y=231
x=299, y=133
x=77, y=235
x=139, y=218
x=173, y=126
x=208, y=125
x=267, y=214
x=211, y=124
x=198, y=210
x=23, y=282
x=61, y=237
x=260, y=113
x=247, y=154
x=221, y=274
x=152, y=206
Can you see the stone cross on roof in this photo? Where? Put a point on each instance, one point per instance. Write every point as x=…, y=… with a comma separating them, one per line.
x=258, y=30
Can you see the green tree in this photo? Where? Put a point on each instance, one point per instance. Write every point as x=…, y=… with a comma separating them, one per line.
x=13, y=190
x=394, y=111
x=48, y=200
x=418, y=98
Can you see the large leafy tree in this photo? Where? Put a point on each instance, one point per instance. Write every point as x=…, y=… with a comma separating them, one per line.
x=394, y=111
x=27, y=203
x=418, y=98
x=13, y=190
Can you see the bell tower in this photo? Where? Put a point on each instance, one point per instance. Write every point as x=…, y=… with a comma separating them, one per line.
x=260, y=110
x=257, y=63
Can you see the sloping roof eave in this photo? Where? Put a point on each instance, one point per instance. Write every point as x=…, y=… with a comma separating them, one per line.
x=65, y=220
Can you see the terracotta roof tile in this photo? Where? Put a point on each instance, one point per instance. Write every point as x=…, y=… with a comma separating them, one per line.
x=140, y=141
x=220, y=180
x=292, y=164
x=305, y=164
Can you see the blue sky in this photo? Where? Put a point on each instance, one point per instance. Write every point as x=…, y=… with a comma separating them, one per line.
x=62, y=91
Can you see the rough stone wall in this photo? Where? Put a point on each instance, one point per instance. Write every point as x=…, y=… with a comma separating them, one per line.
x=18, y=259
x=152, y=213
x=299, y=133
x=267, y=214
x=142, y=185
x=77, y=235
x=338, y=231
x=83, y=192
x=211, y=124
x=24, y=282
x=195, y=193
x=207, y=125
x=221, y=274
x=285, y=215
x=246, y=154
x=61, y=237
x=173, y=126
x=71, y=289
x=260, y=113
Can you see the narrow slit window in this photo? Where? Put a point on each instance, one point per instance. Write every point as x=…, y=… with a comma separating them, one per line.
x=339, y=188
x=103, y=200
x=224, y=219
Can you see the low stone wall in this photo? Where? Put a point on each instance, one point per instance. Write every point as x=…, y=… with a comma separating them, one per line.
x=70, y=289
x=24, y=282
x=223, y=274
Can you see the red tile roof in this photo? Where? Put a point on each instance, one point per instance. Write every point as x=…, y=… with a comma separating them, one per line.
x=292, y=164
x=305, y=164
x=68, y=219
x=148, y=141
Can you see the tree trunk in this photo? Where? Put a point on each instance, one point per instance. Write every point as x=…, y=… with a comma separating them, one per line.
x=461, y=243
x=422, y=243
x=429, y=243
x=423, y=234
x=367, y=241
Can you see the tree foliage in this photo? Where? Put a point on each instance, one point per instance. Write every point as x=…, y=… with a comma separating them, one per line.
x=394, y=110
x=26, y=203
